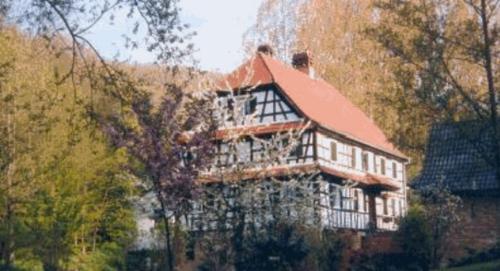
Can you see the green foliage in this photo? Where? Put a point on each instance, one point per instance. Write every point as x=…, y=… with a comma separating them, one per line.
x=414, y=237
x=64, y=200
x=329, y=252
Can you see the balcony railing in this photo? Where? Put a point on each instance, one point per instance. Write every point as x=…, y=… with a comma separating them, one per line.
x=386, y=223
x=346, y=219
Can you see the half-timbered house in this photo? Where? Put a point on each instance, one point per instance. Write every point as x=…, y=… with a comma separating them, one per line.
x=358, y=175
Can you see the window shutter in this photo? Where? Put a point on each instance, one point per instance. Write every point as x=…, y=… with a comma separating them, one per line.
x=394, y=170
x=353, y=157
x=365, y=161
x=382, y=166
x=384, y=201
x=333, y=151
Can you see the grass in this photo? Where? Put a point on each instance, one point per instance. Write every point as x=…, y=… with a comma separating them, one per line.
x=487, y=266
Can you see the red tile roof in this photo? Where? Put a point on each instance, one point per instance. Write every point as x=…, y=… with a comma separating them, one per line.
x=315, y=98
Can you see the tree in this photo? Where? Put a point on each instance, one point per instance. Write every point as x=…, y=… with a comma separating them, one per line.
x=65, y=25
x=441, y=215
x=64, y=201
x=335, y=32
x=446, y=53
x=276, y=26
x=425, y=233
x=153, y=137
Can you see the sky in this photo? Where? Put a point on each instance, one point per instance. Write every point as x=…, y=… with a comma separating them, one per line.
x=220, y=25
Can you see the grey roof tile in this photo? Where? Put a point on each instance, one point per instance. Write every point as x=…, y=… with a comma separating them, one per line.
x=460, y=156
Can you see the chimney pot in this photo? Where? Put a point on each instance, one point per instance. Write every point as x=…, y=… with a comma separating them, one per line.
x=303, y=62
x=265, y=49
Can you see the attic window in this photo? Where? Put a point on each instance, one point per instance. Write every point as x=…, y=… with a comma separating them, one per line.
x=250, y=105
x=333, y=151
x=297, y=151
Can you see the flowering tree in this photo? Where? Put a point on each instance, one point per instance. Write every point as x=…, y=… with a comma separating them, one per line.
x=172, y=143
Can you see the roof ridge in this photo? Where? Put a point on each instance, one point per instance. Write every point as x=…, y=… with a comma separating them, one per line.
x=267, y=66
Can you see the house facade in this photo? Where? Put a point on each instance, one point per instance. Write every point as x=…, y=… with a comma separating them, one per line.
x=280, y=122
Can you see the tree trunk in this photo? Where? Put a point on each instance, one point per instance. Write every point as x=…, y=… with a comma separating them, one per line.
x=170, y=263
x=491, y=89
x=8, y=245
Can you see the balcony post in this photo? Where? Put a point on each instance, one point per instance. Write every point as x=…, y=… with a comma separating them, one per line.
x=372, y=210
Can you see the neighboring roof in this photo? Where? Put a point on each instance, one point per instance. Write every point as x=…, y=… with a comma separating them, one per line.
x=315, y=98
x=459, y=156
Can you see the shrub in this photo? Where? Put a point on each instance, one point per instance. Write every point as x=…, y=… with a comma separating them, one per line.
x=414, y=238
x=329, y=252
x=280, y=247
x=487, y=255
x=385, y=262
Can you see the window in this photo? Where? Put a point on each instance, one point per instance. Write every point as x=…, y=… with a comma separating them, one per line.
x=333, y=150
x=223, y=154
x=244, y=151
x=333, y=191
x=382, y=166
x=364, y=161
x=394, y=170
x=375, y=163
x=297, y=151
x=230, y=104
x=365, y=203
x=353, y=157
x=250, y=105
x=356, y=200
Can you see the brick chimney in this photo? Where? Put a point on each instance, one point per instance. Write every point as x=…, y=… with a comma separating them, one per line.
x=303, y=62
x=265, y=49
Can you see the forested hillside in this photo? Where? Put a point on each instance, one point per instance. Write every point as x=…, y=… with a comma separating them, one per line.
x=65, y=201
